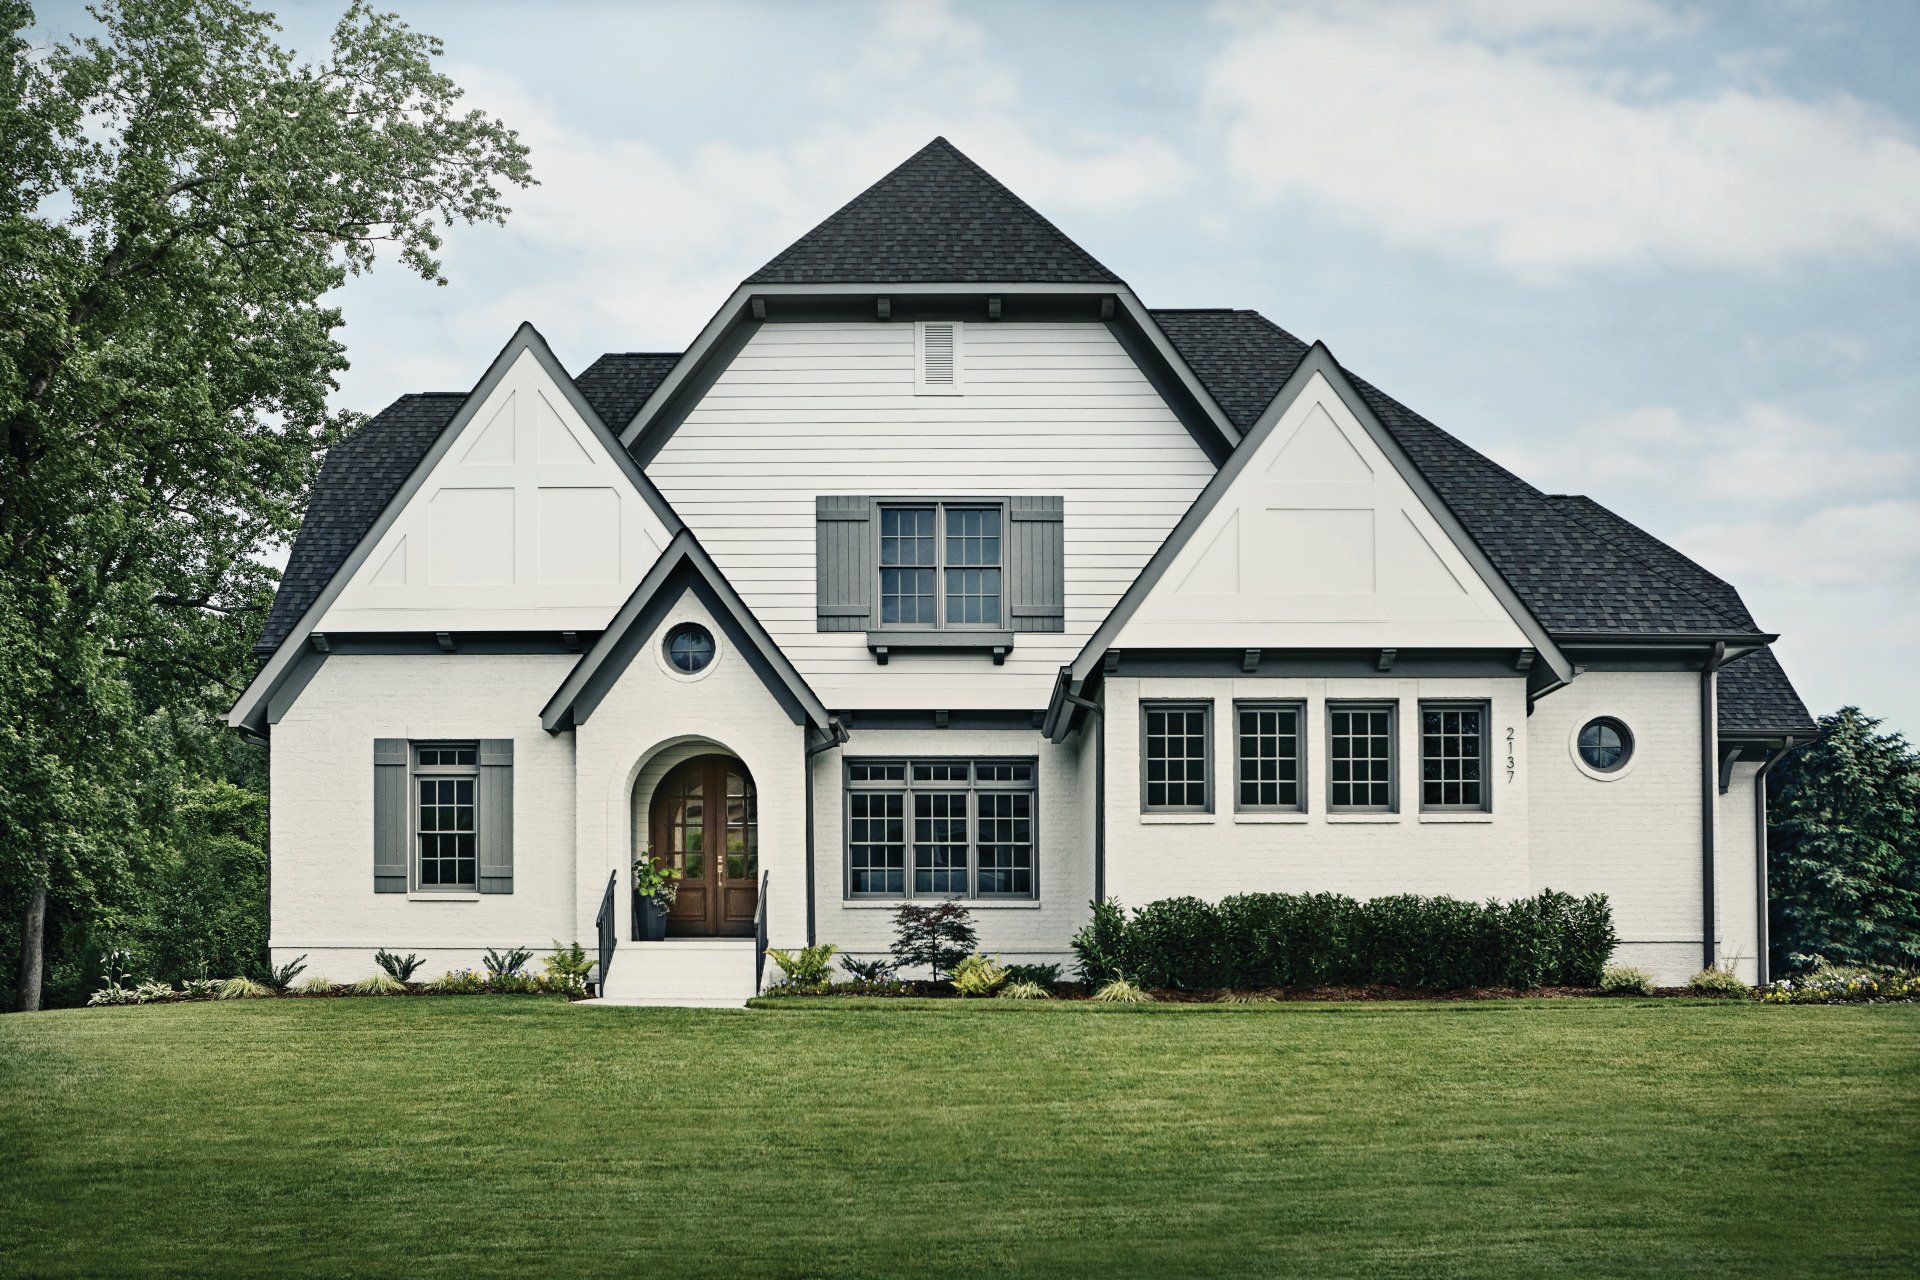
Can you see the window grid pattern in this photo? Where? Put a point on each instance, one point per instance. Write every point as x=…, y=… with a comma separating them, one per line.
x=973, y=559
x=1176, y=755
x=446, y=837
x=1269, y=757
x=907, y=568
x=942, y=566
x=1360, y=757
x=941, y=828
x=1452, y=758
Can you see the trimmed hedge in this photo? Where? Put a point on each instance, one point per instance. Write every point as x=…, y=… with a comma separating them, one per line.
x=1255, y=940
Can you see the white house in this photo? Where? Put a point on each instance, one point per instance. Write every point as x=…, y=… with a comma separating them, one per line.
x=941, y=566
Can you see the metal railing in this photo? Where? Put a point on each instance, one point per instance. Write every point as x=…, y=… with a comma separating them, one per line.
x=760, y=934
x=604, y=923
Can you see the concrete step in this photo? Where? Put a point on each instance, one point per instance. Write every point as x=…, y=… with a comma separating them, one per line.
x=688, y=972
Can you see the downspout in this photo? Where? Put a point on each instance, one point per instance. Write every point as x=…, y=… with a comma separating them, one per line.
x=1097, y=713
x=836, y=735
x=1763, y=968
x=1709, y=794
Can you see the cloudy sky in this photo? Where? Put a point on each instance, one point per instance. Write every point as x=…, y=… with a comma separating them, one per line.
x=1665, y=254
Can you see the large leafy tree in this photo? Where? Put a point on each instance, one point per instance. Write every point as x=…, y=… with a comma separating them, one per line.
x=1844, y=857
x=179, y=197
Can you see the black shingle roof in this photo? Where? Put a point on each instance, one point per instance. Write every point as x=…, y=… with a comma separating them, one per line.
x=618, y=383
x=359, y=477
x=1757, y=699
x=937, y=219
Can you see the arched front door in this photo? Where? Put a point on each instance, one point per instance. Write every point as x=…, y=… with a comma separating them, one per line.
x=705, y=820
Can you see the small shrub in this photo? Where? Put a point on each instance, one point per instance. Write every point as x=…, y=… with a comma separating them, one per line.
x=155, y=993
x=808, y=969
x=978, y=976
x=1834, y=984
x=1025, y=989
x=282, y=977
x=1716, y=982
x=316, y=985
x=1120, y=991
x=938, y=937
x=200, y=989
x=566, y=969
x=113, y=994
x=400, y=969
x=243, y=988
x=869, y=972
x=1045, y=975
x=458, y=982
x=1100, y=946
x=1625, y=980
x=506, y=964
x=381, y=984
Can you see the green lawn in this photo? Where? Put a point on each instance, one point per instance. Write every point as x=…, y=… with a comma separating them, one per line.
x=520, y=1137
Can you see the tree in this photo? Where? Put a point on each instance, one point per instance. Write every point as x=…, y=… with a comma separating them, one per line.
x=939, y=936
x=1844, y=849
x=178, y=197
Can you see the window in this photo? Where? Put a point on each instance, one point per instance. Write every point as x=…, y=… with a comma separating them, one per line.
x=937, y=369
x=1176, y=757
x=446, y=837
x=941, y=566
x=689, y=647
x=1360, y=751
x=940, y=828
x=1605, y=745
x=1453, y=755
x=1271, y=756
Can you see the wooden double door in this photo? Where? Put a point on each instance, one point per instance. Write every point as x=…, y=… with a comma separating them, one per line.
x=705, y=820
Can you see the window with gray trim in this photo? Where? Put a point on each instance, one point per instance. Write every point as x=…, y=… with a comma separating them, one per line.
x=1270, y=751
x=1360, y=758
x=446, y=831
x=941, y=827
x=1453, y=756
x=1176, y=757
x=942, y=565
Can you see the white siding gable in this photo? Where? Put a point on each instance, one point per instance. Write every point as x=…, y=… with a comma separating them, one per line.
x=1319, y=543
x=1045, y=408
x=525, y=523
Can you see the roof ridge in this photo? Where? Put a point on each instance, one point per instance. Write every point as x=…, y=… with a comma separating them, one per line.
x=940, y=140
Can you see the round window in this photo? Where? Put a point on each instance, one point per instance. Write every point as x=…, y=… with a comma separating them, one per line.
x=690, y=647
x=1605, y=744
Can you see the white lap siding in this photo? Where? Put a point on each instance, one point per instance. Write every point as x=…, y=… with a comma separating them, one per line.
x=1048, y=409
x=322, y=899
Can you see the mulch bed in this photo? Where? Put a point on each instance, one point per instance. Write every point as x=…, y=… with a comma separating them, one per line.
x=1304, y=995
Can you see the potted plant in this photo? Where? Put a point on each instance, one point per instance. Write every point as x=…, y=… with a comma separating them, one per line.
x=654, y=889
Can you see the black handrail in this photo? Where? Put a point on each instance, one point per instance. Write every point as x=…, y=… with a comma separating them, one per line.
x=608, y=936
x=760, y=934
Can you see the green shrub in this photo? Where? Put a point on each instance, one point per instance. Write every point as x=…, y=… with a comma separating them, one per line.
x=506, y=964
x=1025, y=989
x=399, y=968
x=1120, y=991
x=1716, y=982
x=978, y=976
x=316, y=986
x=458, y=982
x=243, y=988
x=1259, y=940
x=282, y=976
x=869, y=972
x=566, y=969
x=938, y=936
x=380, y=984
x=808, y=969
x=1045, y=975
x=1844, y=984
x=200, y=989
x=1625, y=980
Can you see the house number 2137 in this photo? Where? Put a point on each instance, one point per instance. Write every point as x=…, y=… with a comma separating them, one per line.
x=1509, y=753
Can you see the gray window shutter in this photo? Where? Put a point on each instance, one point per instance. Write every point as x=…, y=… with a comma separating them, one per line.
x=1036, y=563
x=843, y=561
x=391, y=823
x=496, y=815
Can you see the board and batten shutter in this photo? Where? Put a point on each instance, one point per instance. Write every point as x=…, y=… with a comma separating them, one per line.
x=390, y=825
x=1036, y=563
x=496, y=815
x=843, y=561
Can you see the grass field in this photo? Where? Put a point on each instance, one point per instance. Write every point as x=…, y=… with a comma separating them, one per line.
x=520, y=1137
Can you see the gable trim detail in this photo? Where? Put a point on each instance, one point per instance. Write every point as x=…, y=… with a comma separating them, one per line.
x=683, y=565
x=249, y=710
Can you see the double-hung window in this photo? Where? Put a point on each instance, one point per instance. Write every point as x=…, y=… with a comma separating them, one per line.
x=1453, y=756
x=446, y=780
x=1176, y=757
x=1270, y=745
x=941, y=828
x=1361, y=745
x=942, y=565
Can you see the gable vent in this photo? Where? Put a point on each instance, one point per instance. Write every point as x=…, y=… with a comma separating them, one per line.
x=938, y=367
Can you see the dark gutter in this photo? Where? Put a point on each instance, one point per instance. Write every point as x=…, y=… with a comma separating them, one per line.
x=836, y=736
x=1709, y=792
x=1098, y=714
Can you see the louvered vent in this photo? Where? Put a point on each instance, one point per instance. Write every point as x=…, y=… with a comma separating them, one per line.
x=939, y=357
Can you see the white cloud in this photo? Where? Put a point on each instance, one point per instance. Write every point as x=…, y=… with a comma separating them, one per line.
x=1479, y=129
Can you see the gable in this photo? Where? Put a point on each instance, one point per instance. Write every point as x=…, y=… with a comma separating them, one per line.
x=526, y=521
x=1318, y=540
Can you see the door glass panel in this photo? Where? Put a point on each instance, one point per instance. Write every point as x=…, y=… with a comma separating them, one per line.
x=743, y=830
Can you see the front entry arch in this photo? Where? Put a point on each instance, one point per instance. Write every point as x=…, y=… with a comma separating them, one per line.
x=705, y=820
